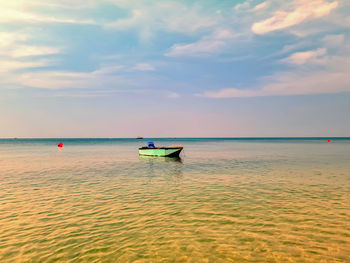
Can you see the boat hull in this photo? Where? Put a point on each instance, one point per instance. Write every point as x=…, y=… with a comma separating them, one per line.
x=168, y=152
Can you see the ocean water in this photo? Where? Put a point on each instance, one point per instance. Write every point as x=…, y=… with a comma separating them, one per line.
x=224, y=200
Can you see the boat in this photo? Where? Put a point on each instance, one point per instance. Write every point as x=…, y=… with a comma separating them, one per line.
x=139, y=137
x=169, y=151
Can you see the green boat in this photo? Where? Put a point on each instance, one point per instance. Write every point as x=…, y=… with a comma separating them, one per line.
x=151, y=150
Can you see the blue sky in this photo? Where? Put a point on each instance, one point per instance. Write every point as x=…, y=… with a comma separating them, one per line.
x=118, y=68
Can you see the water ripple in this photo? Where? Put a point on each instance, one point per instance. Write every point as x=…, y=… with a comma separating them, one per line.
x=103, y=208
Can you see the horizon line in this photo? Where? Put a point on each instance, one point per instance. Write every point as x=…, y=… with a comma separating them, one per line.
x=237, y=137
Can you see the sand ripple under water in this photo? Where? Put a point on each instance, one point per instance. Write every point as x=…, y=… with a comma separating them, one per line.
x=240, y=203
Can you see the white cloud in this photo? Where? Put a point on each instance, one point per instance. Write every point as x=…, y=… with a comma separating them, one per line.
x=292, y=84
x=163, y=15
x=63, y=4
x=13, y=47
x=332, y=42
x=303, y=10
x=19, y=51
x=313, y=56
x=202, y=47
x=295, y=46
x=242, y=6
x=7, y=39
x=208, y=45
x=111, y=68
x=66, y=80
x=19, y=11
x=105, y=76
x=7, y=66
x=261, y=6
x=228, y=93
x=334, y=79
x=55, y=80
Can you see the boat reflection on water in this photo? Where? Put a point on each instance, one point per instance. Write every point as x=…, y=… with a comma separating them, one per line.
x=160, y=159
x=160, y=166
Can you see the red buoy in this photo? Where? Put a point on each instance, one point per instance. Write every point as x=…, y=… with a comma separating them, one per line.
x=329, y=140
x=60, y=145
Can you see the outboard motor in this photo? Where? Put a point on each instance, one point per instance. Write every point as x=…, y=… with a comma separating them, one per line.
x=151, y=145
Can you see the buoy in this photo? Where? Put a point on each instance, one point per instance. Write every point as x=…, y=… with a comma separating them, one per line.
x=329, y=140
x=60, y=145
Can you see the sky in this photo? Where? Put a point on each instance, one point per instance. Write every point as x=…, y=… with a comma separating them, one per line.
x=208, y=68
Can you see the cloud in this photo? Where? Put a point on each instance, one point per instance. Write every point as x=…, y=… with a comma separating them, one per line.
x=292, y=84
x=110, y=69
x=295, y=46
x=208, y=45
x=202, y=47
x=13, y=49
x=304, y=10
x=166, y=16
x=313, y=56
x=333, y=43
x=20, y=51
x=19, y=11
x=242, y=6
x=62, y=4
x=261, y=6
x=105, y=76
x=208, y=34
x=68, y=80
x=334, y=79
x=55, y=80
x=7, y=66
x=12, y=45
x=7, y=39
x=143, y=67
x=18, y=16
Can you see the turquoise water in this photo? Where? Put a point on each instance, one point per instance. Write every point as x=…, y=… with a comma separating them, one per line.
x=224, y=200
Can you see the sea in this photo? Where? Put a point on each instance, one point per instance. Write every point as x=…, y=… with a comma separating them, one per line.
x=223, y=200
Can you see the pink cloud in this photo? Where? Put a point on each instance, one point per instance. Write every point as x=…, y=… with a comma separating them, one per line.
x=304, y=10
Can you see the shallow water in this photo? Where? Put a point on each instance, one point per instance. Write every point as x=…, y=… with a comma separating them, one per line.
x=224, y=201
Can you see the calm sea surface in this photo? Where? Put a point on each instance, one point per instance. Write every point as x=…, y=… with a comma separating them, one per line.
x=225, y=200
